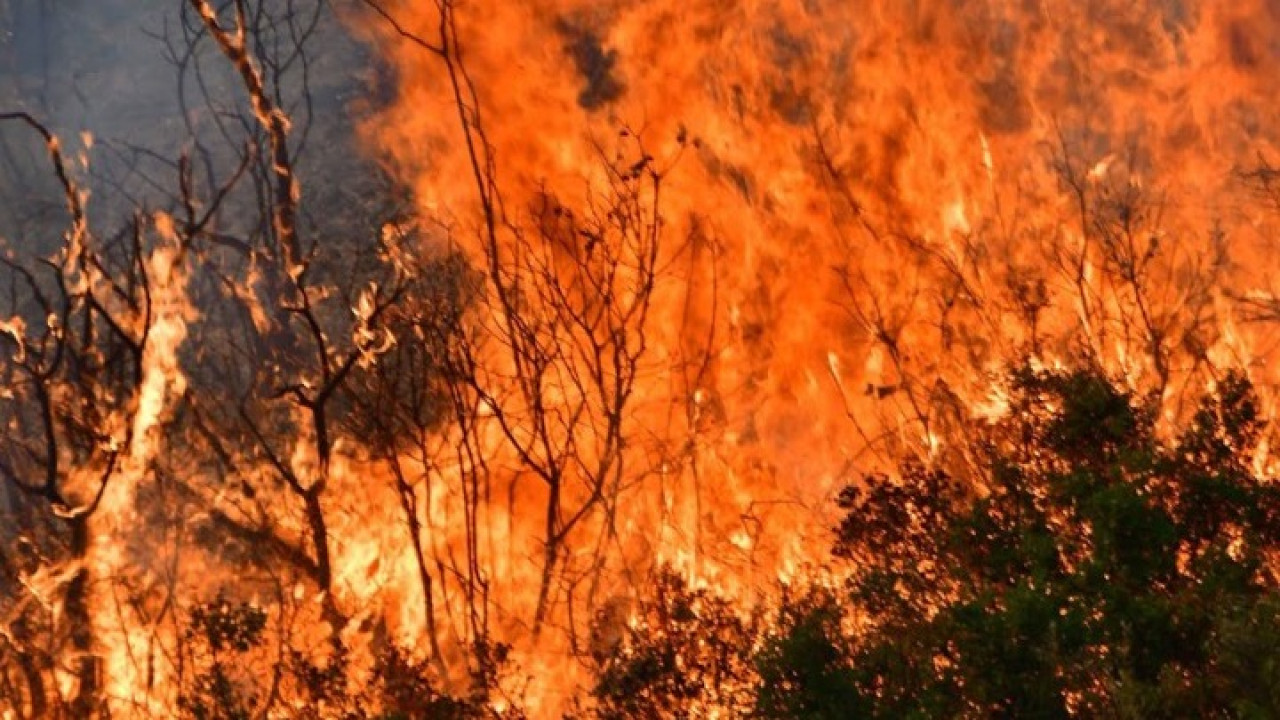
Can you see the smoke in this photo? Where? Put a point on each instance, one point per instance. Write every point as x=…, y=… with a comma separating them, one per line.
x=143, y=83
x=595, y=63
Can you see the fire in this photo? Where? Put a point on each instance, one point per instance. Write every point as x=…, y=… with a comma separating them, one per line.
x=887, y=196
x=123, y=633
x=721, y=260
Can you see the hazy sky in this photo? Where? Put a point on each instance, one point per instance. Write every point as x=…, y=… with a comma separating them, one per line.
x=111, y=68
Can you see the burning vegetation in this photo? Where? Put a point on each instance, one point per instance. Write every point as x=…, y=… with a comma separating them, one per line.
x=791, y=359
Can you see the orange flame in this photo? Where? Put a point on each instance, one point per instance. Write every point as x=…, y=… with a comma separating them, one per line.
x=896, y=197
x=734, y=255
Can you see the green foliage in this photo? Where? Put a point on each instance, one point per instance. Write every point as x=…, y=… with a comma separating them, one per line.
x=688, y=650
x=1094, y=571
x=804, y=662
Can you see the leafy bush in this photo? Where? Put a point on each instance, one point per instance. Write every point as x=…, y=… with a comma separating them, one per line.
x=1093, y=569
x=1096, y=570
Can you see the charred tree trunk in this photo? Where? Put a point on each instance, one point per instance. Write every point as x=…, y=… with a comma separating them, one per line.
x=88, y=666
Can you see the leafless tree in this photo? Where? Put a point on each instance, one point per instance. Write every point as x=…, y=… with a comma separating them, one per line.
x=564, y=312
x=77, y=329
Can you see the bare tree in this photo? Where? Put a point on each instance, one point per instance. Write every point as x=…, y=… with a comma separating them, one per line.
x=78, y=327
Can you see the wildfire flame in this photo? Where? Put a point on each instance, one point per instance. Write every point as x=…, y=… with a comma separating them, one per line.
x=729, y=257
x=896, y=197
